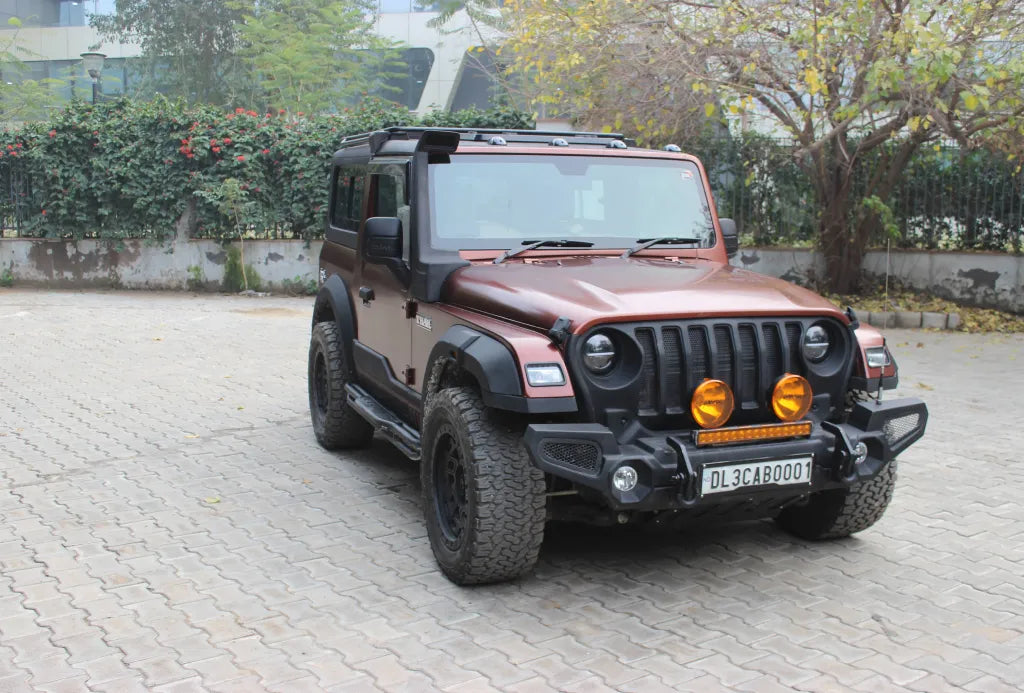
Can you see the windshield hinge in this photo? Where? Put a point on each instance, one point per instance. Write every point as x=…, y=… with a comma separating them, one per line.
x=410, y=309
x=560, y=331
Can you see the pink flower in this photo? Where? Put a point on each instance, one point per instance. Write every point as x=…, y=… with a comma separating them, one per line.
x=240, y=157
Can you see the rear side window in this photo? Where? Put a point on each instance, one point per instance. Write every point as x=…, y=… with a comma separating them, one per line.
x=347, y=210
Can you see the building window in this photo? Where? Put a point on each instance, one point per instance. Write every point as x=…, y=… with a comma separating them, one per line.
x=475, y=85
x=73, y=13
x=406, y=81
x=403, y=6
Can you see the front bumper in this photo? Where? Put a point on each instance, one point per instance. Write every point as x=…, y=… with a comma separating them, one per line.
x=670, y=465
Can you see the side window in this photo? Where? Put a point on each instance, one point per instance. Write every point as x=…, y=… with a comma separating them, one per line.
x=347, y=212
x=390, y=202
x=388, y=188
x=355, y=207
x=342, y=193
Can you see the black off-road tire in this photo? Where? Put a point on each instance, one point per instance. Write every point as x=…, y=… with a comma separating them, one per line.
x=840, y=513
x=336, y=425
x=483, y=500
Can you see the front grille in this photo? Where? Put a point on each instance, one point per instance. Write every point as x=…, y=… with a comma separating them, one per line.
x=581, y=456
x=749, y=355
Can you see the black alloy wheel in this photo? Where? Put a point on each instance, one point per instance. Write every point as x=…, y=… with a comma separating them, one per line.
x=450, y=488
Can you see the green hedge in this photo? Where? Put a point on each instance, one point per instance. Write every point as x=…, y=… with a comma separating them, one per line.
x=127, y=169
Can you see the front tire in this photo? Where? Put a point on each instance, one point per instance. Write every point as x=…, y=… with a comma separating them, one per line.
x=336, y=424
x=484, y=501
x=840, y=513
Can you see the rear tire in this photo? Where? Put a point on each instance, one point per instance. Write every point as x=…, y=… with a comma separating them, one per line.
x=840, y=513
x=484, y=501
x=336, y=424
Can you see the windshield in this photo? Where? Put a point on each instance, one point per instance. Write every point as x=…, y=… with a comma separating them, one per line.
x=499, y=201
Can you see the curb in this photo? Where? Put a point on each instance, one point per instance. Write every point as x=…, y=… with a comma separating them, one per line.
x=909, y=319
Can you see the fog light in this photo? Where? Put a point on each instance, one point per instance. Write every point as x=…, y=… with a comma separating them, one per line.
x=860, y=453
x=791, y=398
x=624, y=479
x=712, y=404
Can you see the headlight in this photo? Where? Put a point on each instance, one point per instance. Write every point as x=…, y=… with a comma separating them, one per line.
x=878, y=357
x=599, y=353
x=816, y=343
x=544, y=374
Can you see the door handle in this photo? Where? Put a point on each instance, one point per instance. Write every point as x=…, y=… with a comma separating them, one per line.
x=366, y=294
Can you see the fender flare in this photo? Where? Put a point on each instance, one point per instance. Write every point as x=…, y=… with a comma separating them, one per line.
x=334, y=296
x=494, y=368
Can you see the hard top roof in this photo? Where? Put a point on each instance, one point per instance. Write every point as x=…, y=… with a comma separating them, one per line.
x=408, y=140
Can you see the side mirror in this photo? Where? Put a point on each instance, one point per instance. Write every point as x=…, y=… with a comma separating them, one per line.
x=382, y=244
x=729, y=235
x=382, y=240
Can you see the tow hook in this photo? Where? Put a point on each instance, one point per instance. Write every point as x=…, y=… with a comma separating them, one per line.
x=847, y=455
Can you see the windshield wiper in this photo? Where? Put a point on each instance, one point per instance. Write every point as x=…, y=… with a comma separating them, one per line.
x=643, y=243
x=530, y=245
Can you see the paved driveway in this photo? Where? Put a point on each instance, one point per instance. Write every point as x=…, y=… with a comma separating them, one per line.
x=168, y=522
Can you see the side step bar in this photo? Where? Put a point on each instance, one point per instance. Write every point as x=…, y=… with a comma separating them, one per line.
x=400, y=434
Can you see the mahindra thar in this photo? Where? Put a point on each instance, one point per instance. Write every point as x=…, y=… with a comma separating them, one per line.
x=548, y=322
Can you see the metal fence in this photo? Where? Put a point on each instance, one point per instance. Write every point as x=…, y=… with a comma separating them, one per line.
x=948, y=198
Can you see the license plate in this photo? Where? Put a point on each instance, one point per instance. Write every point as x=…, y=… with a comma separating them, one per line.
x=731, y=477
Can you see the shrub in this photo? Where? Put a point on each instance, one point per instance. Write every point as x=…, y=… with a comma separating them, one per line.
x=130, y=169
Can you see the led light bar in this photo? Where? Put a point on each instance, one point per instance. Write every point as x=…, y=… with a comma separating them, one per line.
x=749, y=434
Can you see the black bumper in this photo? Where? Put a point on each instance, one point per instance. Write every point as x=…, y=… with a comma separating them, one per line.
x=669, y=464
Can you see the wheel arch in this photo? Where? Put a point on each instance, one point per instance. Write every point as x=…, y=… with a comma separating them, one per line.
x=464, y=356
x=334, y=304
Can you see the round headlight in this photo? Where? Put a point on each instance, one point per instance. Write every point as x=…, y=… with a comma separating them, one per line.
x=816, y=343
x=599, y=353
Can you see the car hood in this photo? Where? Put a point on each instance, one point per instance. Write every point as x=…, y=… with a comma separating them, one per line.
x=592, y=289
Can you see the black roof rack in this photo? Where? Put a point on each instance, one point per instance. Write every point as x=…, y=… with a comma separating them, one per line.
x=377, y=138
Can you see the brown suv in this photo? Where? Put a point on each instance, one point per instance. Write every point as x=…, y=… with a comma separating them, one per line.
x=549, y=323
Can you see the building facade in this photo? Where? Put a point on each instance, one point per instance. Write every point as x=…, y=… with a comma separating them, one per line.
x=441, y=67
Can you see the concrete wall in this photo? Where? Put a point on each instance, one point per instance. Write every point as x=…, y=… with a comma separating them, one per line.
x=993, y=280
x=138, y=265
x=985, y=279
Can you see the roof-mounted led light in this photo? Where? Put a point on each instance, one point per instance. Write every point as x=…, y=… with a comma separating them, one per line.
x=617, y=144
x=497, y=141
x=674, y=148
x=559, y=142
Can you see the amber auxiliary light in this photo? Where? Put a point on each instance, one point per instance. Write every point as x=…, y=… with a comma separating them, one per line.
x=712, y=404
x=751, y=434
x=791, y=398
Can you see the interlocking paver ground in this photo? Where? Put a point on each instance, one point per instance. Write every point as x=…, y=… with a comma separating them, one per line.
x=167, y=520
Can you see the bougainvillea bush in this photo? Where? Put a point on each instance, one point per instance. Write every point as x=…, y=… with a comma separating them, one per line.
x=130, y=169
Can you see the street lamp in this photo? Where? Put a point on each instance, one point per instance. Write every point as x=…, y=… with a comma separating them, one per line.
x=93, y=63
